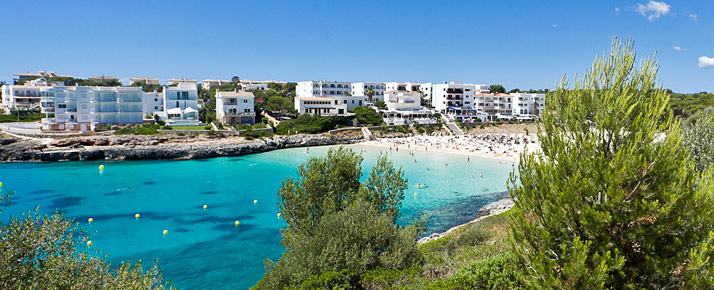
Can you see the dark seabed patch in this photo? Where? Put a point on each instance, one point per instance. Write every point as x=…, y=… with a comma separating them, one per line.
x=209, y=192
x=181, y=230
x=113, y=193
x=148, y=183
x=235, y=159
x=64, y=202
x=232, y=227
x=226, y=220
x=40, y=191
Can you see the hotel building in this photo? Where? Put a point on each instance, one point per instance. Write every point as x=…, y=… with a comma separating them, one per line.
x=404, y=108
x=83, y=108
x=325, y=98
x=360, y=89
x=181, y=103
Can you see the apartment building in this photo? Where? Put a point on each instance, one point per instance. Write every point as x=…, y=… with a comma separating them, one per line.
x=25, y=96
x=454, y=98
x=407, y=87
x=323, y=106
x=207, y=84
x=173, y=82
x=147, y=80
x=153, y=103
x=252, y=85
x=21, y=77
x=83, y=108
x=103, y=79
x=361, y=89
x=404, y=108
x=235, y=107
x=181, y=103
x=527, y=106
x=326, y=98
x=496, y=106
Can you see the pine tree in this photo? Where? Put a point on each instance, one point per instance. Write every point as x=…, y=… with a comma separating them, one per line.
x=613, y=201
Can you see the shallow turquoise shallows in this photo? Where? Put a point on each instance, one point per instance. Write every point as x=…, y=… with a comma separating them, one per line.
x=203, y=248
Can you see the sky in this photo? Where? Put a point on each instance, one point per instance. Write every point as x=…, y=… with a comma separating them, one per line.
x=519, y=44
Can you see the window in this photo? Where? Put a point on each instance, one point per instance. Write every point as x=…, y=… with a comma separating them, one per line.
x=345, y=101
x=178, y=95
x=177, y=104
x=156, y=100
x=84, y=106
x=184, y=95
x=62, y=106
x=246, y=110
x=245, y=101
x=156, y=108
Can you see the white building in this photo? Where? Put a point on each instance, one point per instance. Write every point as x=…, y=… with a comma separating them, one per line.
x=181, y=103
x=83, y=108
x=455, y=99
x=15, y=96
x=248, y=85
x=235, y=107
x=496, y=106
x=207, y=84
x=153, y=103
x=147, y=80
x=361, y=89
x=407, y=87
x=324, y=106
x=314, y=94
x=527, y=106
x=181, y=80
x=404, y=108
x=41, y=74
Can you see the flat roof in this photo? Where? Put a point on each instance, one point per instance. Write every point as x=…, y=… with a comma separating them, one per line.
x=314, y=99
x=237, y=94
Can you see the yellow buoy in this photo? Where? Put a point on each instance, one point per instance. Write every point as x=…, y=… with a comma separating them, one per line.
x=101, y=167
x=205, y=206
x=89, y=243
x=279, y=215
x=90, y=220
x=255, y=201
x=0, y=184
x=137, y=215
x=237, y=223
x=415, y=194
x=166, y=232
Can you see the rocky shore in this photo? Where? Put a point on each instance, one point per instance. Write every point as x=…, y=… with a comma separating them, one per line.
x=153, y=147
x=488, y=210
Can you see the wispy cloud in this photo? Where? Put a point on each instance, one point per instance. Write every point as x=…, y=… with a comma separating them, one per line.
x=706, y=62
x=617, y=10
x=693, y=16
x=677, y=48
x=555, y=25
x=653, y=9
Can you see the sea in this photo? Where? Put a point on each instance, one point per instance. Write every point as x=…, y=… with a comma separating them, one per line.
x=203, y=248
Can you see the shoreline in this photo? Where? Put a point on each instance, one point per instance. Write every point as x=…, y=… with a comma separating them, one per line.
x=488, y=210
x=136, y=147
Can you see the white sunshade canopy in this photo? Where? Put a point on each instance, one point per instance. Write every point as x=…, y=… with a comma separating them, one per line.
x=190, y=110
x=174, y=111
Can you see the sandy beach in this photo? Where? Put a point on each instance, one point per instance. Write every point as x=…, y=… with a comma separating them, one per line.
x=507, y=147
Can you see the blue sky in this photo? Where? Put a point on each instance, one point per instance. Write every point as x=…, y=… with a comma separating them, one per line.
x=523, y=44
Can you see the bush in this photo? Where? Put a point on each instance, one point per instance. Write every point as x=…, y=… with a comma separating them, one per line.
x=497, y=272
x=43, y=252
x=368, y=116
x=312, y=124
x=139, y=130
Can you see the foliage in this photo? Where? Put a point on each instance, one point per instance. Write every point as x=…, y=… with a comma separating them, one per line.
x=613, y=203
x=148, y=87
x=25, y=116
x=278, y=99
x=491, y=273
x=380, y=104
x=253, y=134
x=42, y=252
x=368, y=116
x=139, y=130
x=496, y=89
x=312, y=124
x=699, y=138
x=685, y=105
x=338, y=225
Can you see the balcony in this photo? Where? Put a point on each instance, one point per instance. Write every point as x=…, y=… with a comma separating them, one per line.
x=457, y=97
x=237, y=114
x=454, y=91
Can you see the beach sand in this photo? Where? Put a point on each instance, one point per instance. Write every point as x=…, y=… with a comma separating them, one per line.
x=501, y=147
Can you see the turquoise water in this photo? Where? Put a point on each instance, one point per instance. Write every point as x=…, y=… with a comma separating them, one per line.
x=203, y=248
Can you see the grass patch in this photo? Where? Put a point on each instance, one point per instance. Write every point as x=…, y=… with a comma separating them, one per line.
x=24, y=117
x=191, y=128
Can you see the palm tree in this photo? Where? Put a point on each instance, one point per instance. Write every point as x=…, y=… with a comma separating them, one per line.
x=370, y=94
x=236, y=82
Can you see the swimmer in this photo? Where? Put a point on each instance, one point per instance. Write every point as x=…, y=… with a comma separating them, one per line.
x=481, y=175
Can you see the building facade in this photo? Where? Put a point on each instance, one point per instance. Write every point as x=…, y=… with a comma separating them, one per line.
x=173, y=82
x=207, y=84
x=313, y=95
x=16, y=96
x=83, y=108
x=323, y=106
x=235, y=107
x=527, y=106
x=404, y=107
x=153, y=103
x=180, y=103
x=147, y=80
x=361, y=89
x=454, y=98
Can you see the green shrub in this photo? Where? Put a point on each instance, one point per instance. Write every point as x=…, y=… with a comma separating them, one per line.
x=497, y=272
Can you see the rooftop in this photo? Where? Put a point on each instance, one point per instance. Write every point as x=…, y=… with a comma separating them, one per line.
x=237, y=94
